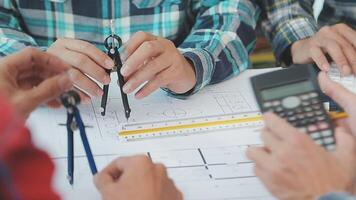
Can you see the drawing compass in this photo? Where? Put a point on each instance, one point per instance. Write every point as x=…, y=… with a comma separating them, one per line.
x=112, y=44
x=70, y=100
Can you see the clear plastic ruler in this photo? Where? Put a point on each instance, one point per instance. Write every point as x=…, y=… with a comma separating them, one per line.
x=188, y=126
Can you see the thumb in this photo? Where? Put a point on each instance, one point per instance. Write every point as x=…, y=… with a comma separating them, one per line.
x=345, y=144
x=337, y=92
x=46, y=91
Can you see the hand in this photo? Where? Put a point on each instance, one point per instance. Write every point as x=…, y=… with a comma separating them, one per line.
x=31, y=77
x=344, y=98
x=339, y=41
x=88, y=61
x=136, y=178
x=292, y=166
x=156, y=60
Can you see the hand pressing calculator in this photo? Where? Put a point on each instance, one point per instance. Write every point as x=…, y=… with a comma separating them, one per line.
x=294, y=95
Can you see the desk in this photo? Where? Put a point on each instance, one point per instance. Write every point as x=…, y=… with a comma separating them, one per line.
x=203, y=166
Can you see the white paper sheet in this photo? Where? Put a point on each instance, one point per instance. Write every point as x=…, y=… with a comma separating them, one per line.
x=348, y=82
x=204, y=166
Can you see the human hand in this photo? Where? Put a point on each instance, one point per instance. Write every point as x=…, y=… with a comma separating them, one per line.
x=87, y=61
x=136, y=178
x=292, y=166
x=339, y=41
x=31, y=77
x=156, y=60
x=344, y=98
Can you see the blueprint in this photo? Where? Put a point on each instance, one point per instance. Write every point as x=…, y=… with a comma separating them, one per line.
x=203, y=166
x=348, y=82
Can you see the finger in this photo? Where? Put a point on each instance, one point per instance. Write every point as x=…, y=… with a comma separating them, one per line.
x=270, y=140
x=90, y=51
x=346, y=46
x=54, y=104
x=134, y=42
x=84, y=98
x=319, y=58
x=158, y=81
x=337, y=92
x=351, y=57
x=347, y=32
x=85, y=83
x=278, y=126
x=34, y=61
x=258, y=155
x=144, y=53
x=146, y=73
x=337, y=54
x=108, y=175
x=85, y=65
x=345, y=144
x=49, y=89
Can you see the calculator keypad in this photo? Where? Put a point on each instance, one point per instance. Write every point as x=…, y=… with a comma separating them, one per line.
x=307, y=113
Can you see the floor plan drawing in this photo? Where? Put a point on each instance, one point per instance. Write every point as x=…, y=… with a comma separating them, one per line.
x=209, y=166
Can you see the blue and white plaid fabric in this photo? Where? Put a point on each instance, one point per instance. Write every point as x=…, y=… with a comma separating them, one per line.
x=216, y=35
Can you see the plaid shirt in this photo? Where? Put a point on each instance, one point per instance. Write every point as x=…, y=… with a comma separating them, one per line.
x=287, y=21
x=216, y=35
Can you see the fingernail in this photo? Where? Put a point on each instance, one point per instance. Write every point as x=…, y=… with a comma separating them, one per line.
x=64, y=82
x=126, y=88
x=325, y=67
x=139, y=95
x=99, y=92
x=106, y=80
x=123, y=56
x=109, y=64
x=124, y=70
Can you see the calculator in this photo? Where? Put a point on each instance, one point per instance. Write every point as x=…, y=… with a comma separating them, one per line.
x=294, y=94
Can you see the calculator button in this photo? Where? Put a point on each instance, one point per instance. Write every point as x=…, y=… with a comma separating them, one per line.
x=319, y=112
x=315, y=135
x=312, y=128
x=300, y=116
x=298, y=110
x=315, y=101
x=323, y=125
x=329, y=140
x=267, y=104
x=307, y=109
x=303, y=122
x=305, y=103
x=304, y=97
x=316, y=107
x=310, y=114
x=290, y=113
x=302, y=129
x=313, y=95
x=330, y=147
x=294, y=123
x=321, y=118
x=292, y=119
x=319, y=142
x=327, y=133
x=282, y=115
x=278, y=109
x=311, y=120
x=276, y=103
x=291, y=102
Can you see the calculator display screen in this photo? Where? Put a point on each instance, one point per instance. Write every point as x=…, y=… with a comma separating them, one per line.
x=287, y=90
